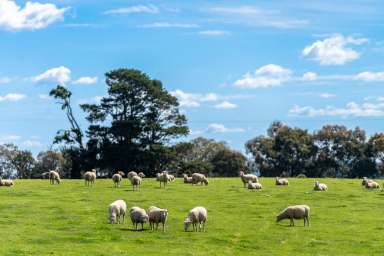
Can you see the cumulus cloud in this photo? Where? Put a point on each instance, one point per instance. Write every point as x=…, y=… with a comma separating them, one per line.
x=309, y=76
x=86, y=80
x=193, y=100
x=60, y=75
x=369, y=76
x=266, y=76
x=12, y=97
x=334, y=50
x=214, y=33
x=351, y=109
x=225, y=105
x=152, y=9
x=220, y=128
x=327, y=95
x=169, y=25
x=32, y=143
x=32, y=16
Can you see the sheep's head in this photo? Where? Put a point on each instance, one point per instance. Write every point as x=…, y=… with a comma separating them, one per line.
x=112, y=218
x=206, y=182
x=187, y=223
x=145, y=218
x=241, y=173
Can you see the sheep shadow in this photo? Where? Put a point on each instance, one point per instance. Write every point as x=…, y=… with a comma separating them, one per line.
x=288, y=226
x=133, y=230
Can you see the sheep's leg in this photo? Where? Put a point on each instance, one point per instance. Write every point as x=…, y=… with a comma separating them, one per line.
x=204, y=226
x=163, y=226
x=157, y=225
x=142, y=226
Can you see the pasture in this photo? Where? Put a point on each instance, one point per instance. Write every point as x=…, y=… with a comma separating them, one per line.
x=37, y=218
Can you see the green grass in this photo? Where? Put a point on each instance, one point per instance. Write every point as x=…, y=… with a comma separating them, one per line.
x=70, y=219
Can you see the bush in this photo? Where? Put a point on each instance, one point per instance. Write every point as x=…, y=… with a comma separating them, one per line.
x=301, y=176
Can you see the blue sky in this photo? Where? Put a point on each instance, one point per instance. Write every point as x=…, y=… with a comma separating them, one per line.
x=235, y=66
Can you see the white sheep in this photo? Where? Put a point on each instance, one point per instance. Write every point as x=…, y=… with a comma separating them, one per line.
x=6, y=183
x=117, y=178
x=294, y=212
x=138, y=215
x=365, y=181
x=131, y=174
x=157, y=215
x=141, y=175
x=54, y=177
x=197, y=215
x=90, y=177
x=320, y=186
x=163, y=178
x=171, y=178
x=187, y=180
x=256, y=186
x=117, y=211
x=372, y=185
x=199, y=178
x=281, y=182
x=245, y=178
x=136, y=182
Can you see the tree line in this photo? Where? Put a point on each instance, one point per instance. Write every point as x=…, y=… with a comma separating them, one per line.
x=138, y=126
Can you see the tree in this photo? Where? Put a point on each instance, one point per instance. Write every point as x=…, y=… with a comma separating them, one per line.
x=7, y=153
x=47, y=161
x=24, y=164
x=228, y=163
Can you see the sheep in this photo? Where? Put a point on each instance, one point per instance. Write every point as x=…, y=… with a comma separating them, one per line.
x=54, y=177
x=117, y=211
x=138, y=215
x=248, y=177
x=187, y=180
x=6, y=183
x=157, y=215
x=365, y=181
x=171, y=178
x=136, y=182
x=320, y=186
x=294, y=212
x=197, y=215
x=281, y=182
x=90, y=177
x=117, y=178
x=252, y=185
x=372, y=185
x=141, y=175
x=131, y=174
x=199, y=178
x=163, y=178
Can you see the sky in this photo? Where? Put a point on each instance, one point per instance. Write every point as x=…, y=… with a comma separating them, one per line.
x=235, y=66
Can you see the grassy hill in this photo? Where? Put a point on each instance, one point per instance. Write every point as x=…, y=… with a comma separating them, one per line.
x=37, y=218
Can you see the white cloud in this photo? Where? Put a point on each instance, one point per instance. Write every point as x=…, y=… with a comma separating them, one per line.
x=220, y=128
x=266, y=76
x=309, y=76
x=254, y=16
x=351, y=109
x=9, y=138
x=44, y=97
x=5, y=80
x=214, y=33
x=225, y=105
x=32, y=16
x=93, y=100
x=333, y=50
x=86, y=80
x=13, y=97
x=327, y=95
x=369, y=76
x=134, y=9
x=32, y=144
x=193, y=100
x=60, y=75
x=169, y=25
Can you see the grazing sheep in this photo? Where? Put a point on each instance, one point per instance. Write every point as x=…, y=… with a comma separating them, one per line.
x=136, y=182
x=163, y=178
x=131, y=174
x=320, y=186
x=171, y=178
x=372, y=185
x=281, y=182
x=245, y=178
x=365, y=181
x=199, y=178
x=197, y=215
x=157, y=215
x=141, y=175
x=252, y=185
x=54, y=177
x=6, y=183
x=117, y=211
x=187, y=180
x=138, y=215
x=295, y=212
x=117, y=178
x=90, y=177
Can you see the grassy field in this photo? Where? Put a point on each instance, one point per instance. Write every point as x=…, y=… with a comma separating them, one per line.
x=37, y=218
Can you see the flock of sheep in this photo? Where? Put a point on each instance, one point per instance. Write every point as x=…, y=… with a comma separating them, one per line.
x=198, y=215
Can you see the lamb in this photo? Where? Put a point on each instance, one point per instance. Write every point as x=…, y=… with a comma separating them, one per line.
x=136, y=182
x=157, y=215
x=372, y=185
x=320, y=186
x=281, y=182
x=54, y=177
x=141, y=175
x=252, y=185
x=197, y=215
x=131, y=174
x=187, y=180
x=138, y=215
x=90, y=177
x=199, y=178
x=6, y=183
x=117, y=178
x=245, y=178
x=117, y=211
x=294, y=212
